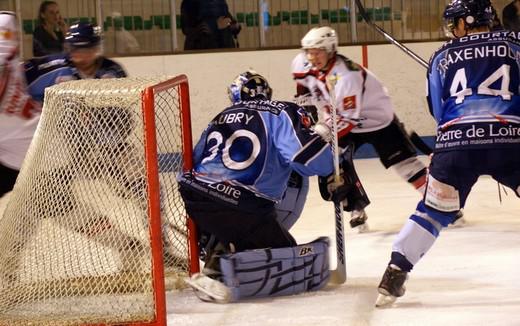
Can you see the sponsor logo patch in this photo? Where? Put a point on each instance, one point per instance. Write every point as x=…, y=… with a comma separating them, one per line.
x=349, y=102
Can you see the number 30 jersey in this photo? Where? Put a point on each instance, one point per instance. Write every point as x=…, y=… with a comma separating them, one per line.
x=256, y=144
x=474, y=91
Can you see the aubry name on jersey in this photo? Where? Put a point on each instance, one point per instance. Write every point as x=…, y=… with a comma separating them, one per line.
x=229, y=118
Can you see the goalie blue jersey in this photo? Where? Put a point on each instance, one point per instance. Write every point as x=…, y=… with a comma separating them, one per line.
x=474, y=92
x=256, y=144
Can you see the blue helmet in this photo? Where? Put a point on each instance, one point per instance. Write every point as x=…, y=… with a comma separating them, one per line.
x=476, y=13
x=249, y=86
x=83, y=35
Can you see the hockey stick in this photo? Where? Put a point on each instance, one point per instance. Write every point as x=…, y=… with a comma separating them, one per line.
x=420, y=144
x=406, y=50
x=339, y=275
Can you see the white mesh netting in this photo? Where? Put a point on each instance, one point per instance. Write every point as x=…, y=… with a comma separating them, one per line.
x=74, y=236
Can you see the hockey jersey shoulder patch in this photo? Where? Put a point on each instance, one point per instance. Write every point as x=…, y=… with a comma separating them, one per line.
x=349, y=102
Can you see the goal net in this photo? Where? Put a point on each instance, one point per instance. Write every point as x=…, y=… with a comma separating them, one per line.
x=95, y=229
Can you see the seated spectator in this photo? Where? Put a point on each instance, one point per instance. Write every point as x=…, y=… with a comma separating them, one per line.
x=208, y=25
x=48, y=36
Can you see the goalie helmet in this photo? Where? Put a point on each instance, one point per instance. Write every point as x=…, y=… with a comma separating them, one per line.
x=249, y=86
x=476, y=13
x=83, y=35
x=321, y=38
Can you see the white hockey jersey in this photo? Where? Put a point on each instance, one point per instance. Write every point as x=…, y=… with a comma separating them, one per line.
x=362, y=102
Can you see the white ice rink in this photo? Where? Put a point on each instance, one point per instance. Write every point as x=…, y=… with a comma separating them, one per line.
x=470, y=277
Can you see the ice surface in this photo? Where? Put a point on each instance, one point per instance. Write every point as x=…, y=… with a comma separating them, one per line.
x=470, y=277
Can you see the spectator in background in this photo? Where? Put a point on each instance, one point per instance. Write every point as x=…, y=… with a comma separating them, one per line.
x=510, y=16
x=48, y=36
x=208, y=24
x=125, y=41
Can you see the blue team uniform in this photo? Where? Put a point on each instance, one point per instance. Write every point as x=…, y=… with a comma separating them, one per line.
x=46, y=71
x=256, y=144
x=474, y=92
x=474, y=95
x=242, y=163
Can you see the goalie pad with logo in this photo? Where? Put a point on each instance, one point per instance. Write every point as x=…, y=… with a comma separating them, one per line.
x=275, y=272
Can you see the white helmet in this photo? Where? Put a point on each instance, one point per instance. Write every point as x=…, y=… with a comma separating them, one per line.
x=321, y=38
x=8, y=31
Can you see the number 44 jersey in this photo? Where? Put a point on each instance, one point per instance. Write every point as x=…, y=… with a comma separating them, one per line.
x=255, y=145
x=474, y=91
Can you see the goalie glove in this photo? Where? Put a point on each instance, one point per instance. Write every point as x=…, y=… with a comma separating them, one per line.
x=323, y=130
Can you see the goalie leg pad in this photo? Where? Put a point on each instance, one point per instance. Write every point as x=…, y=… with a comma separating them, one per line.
x=274, y=272
x=289, y=209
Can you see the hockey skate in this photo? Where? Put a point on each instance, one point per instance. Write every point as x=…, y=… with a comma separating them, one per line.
x=358, y=220
x=208, y=289
x=391, y=286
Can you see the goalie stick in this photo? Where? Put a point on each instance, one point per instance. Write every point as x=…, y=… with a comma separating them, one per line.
x=406, y=50
x=339, y=275
x=414, y=137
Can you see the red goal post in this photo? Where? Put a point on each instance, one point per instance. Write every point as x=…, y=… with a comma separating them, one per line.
x=95, y=231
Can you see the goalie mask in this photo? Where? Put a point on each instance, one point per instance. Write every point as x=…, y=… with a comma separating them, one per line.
x=249, y=86
x=475, y=13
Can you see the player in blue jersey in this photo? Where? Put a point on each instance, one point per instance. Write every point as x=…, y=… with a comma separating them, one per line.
x=242, y=165
x=83, y=60
x=473, y=94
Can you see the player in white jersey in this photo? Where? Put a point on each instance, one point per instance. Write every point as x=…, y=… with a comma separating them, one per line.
x=19, y=115
x=364, y=111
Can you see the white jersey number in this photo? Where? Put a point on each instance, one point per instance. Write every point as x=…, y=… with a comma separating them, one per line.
x=460, y=81
x=225, y=152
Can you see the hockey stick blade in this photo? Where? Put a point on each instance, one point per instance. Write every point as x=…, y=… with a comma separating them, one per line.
x=406, y=50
